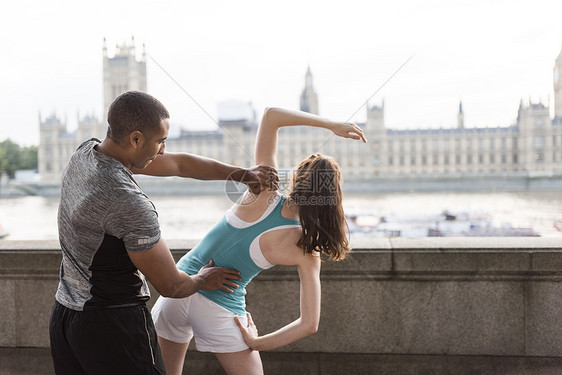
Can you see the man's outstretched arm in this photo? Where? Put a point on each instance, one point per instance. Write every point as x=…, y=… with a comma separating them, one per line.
x=198, y=167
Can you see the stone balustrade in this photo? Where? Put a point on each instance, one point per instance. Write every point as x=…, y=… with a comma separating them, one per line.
x=395, y=306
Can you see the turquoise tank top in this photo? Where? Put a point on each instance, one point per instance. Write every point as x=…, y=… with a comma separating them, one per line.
x=229, y=247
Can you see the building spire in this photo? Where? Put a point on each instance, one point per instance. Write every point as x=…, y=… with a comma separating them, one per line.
x=460, y=117
x=557, y=83
x=309, y=98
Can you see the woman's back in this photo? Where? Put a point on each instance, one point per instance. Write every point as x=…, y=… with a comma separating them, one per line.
x=277, y=246
x=237, y=242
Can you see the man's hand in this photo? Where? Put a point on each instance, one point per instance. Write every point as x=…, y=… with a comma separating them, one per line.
x=260, y=178
x=250, y=333
x=209, y=278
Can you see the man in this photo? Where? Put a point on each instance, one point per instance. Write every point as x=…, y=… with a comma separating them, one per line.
x=109, y=231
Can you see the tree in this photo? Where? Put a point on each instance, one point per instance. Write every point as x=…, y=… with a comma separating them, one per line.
x=28, y=158
x=14, y=157
x=3, y=161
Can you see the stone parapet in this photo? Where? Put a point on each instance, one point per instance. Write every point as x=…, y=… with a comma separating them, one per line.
x=473, y=301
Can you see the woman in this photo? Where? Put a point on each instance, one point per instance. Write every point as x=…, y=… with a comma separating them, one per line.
x=261, y=231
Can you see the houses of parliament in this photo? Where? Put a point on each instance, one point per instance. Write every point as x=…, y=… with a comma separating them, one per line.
x=530, y=147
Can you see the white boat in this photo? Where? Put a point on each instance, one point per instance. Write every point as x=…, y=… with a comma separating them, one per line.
x=446, y=224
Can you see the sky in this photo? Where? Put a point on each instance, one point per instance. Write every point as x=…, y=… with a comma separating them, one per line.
x=490, y=54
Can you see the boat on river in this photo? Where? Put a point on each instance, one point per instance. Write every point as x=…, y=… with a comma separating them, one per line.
x=445, y=224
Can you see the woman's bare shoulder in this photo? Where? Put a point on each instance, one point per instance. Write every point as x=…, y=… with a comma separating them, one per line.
x=250, y=206
x=280, y=246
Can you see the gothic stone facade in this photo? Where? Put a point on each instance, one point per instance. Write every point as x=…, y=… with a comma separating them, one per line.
x=530, y=147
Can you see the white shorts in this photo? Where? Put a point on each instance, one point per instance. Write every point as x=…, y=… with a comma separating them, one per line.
x=214, y=328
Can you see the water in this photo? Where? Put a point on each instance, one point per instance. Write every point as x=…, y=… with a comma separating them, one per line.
x=190, y=217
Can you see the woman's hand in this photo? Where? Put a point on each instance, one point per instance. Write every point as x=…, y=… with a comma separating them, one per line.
x=249, y=333
x=348, y=130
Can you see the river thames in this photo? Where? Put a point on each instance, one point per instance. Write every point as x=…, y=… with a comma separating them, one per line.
x=190, y=217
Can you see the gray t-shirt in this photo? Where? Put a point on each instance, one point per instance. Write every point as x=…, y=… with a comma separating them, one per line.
x=102, y=214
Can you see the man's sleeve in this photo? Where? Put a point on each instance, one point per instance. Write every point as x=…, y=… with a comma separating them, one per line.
x=135, y=221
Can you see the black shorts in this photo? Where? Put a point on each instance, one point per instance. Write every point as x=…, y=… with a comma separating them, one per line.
x=104, y=341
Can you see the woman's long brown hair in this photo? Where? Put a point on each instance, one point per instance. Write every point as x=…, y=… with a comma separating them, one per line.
x=317, y=192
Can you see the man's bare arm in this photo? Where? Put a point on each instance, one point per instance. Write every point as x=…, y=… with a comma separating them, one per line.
x=194, y=166
x=158, y=265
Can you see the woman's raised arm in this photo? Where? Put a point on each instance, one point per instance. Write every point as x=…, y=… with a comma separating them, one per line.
x=275, y=118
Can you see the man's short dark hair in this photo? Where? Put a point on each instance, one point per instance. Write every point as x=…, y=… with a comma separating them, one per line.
x=134, y=110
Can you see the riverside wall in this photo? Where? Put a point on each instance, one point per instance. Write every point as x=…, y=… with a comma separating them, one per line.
x=395, y=306
x=176, y=186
